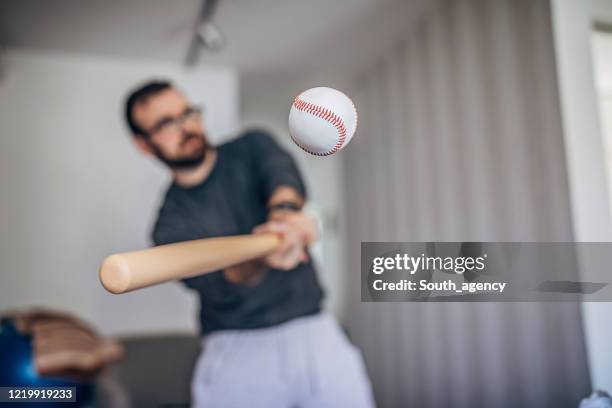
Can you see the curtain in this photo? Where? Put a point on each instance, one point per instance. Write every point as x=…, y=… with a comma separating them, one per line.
x=459, y=139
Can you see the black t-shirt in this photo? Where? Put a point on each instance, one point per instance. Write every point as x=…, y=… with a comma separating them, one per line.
x=231, y=201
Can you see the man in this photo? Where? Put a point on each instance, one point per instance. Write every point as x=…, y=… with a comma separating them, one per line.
x=266, y=342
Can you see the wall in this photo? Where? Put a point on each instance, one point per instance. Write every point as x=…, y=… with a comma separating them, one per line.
x=461, y=139
x=74, y=189
x=573, y=29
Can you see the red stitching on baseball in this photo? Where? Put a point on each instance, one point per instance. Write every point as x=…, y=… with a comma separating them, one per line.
x=326, y=115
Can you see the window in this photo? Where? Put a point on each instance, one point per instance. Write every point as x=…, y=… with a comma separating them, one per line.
x=602, y=63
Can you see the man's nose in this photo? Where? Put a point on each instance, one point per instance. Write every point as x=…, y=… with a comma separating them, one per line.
x=188, y=126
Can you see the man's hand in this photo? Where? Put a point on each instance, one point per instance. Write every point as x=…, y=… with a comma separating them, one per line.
x=297, y=230
x=65, y=346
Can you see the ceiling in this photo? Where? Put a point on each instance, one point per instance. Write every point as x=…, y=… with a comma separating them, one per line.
x=137, y=28
x=263, y=36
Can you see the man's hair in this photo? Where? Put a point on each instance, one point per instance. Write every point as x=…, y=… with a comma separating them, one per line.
x=139, y=95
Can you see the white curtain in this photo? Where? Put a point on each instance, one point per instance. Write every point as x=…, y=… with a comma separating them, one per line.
x=460, y=140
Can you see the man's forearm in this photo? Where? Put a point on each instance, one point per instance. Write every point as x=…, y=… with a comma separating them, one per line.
x=285, y=194
x=284, y=206
x=251, y=272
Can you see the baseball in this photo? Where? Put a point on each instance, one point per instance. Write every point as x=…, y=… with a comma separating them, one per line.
x=322, y=121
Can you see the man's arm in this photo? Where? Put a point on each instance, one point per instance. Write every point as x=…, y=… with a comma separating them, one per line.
x=286, y=207
x=285, y=195
x=296, y=229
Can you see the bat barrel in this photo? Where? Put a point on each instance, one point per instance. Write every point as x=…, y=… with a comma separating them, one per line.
x=115, y=274
x=128, y=271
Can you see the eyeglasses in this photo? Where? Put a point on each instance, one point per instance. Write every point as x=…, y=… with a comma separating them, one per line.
x=172, y=125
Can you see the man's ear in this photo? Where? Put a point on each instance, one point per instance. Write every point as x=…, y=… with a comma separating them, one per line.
x=142, y=145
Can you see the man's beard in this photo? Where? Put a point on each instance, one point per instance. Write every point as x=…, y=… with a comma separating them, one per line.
x=184, y=163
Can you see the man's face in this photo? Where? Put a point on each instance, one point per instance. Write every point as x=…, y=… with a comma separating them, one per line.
x=174, y=131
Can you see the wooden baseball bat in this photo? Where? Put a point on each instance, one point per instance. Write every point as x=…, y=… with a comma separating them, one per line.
x=128, y=271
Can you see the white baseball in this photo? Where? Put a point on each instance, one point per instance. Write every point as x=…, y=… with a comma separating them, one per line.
x=322, y=121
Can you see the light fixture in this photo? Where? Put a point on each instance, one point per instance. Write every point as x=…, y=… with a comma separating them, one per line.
x=212, y=38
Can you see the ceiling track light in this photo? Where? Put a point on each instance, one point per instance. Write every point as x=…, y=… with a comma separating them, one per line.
x=211, y=36
x=206, y=34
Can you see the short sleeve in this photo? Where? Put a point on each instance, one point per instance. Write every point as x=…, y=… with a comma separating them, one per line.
x=273, y=166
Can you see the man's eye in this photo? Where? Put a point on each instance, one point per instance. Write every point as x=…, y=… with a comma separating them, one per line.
x=193, y=111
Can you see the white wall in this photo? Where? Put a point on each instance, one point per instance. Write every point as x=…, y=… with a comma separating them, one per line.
x=584, y=149
x=73, y=188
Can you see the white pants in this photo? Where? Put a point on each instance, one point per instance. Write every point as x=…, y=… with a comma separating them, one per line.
x=306, y=362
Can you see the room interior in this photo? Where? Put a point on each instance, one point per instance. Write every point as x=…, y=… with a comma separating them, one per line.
x=478, y=121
